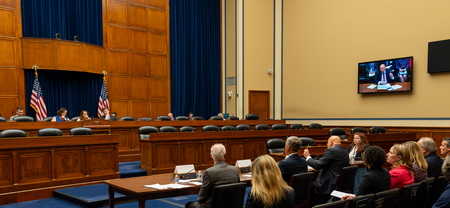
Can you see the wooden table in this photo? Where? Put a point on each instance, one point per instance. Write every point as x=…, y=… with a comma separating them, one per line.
x=134, y=188
x=406, y=86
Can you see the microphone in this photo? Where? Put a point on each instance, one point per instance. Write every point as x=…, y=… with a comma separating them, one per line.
x=188, y=175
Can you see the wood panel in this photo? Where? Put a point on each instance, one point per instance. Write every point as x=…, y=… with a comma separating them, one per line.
x=137, y=16
x=259, y=103
x=117, y=62
x=8, y=105
x=165, y=155
x=6, y=172
x=163, y=4
x=102, y=161
x=140, y=109
x=118, y=90
x=93, y=58
x=8, y=55
x=117, y=37
x=68, y=55
x=141, y=2
x=71, y=164
x=138, y=84
x=8, y=3
x=158, y=89
x=120, y=107
x=189, y=154
x=37, y=51
x=158, y=66
x=158, y=108
x=8, y=82
x=157, y=20
x=117, y=13
x=157, y=43
x=138, y=40
x=7, y=25
x=34, y=167
x=138, y=64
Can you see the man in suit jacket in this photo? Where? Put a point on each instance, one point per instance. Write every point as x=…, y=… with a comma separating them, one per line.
x=429, y=151
x=330, y=165
x=293, y=163
x=383, y=76
x=219, y=174
x=107, y=116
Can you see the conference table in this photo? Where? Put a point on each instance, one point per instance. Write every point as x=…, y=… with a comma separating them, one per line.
x=135, y=189
x=399, y=86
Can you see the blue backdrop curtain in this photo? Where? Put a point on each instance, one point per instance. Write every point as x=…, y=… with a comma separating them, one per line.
x=75, y=91
x=69, y=18
x=195, y=57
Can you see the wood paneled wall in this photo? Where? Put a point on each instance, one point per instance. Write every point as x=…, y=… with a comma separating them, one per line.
x=135, y=54
x=137, y=46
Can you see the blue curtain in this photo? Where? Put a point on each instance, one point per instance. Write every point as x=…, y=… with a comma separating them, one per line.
x=195, y=57
x=69, y=18
x=75, y=91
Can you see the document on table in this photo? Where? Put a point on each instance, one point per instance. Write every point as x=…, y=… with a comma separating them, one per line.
x=172, y=185
x=372, y=86
x=396, y=87
x=197, y=183
x=340, y=194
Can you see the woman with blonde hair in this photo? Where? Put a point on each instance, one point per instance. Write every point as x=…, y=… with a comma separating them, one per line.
x=401, y=172
x=269, y=190
x=420, y=165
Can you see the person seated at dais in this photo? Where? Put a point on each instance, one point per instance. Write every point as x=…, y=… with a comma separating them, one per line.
x=84, y=116
x=61, y=116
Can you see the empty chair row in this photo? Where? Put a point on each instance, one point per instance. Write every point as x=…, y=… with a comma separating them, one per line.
x=45, y=132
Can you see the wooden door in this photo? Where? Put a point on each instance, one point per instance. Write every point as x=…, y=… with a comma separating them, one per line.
x=259, y=103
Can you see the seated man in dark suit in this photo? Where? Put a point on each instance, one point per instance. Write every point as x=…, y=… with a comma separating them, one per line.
x=107, y=116
x=219, y=174
x=384, y=76
x=429, y=151
x=330, y=165
x=293, y=163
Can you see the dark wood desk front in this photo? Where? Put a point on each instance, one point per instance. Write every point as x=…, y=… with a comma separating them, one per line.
x=163, y=151
x=405, y=86
x=37, y=162
x=134, y=188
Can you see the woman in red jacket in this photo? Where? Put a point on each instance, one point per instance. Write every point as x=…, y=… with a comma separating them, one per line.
x=401, y=172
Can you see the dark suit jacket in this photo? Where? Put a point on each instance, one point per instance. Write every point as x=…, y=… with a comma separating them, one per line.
x=219, y=174
x=330, y=165
x=379, y=78
x=434, y=165
x=374, y=181
x=294, y=164
x=111, y=118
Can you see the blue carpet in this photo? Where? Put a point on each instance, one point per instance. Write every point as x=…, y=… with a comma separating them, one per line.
x=45, y=203
x=131, y=169
x=89, y=195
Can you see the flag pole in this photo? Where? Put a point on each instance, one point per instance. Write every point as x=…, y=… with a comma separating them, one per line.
x=35, y=67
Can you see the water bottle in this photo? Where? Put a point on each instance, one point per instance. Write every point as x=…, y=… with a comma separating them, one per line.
x=199, y=175
x=176, y=179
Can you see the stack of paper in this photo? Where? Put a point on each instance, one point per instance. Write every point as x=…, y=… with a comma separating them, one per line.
x=172, y=185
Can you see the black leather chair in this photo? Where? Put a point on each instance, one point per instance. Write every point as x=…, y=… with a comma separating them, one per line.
x=336, y=204
x=233, y=118
x=409, y=196
x=145, y=119
x=275, y=145
x=315, y=126
x=297, y=126
x=210, y=128
x=12, y=133
x=243, y=127
x=75, y=118
x=386, y=199
x=228, y=128
x=81, y=131
x=187, y=129
x=425, y=190
x=438, y=187
x=48, y=118
x=365, y=201
x=252, y=116
x=50, y=132
x=229, y=195
x=24, y=119
x=358, y=129
x=340, y=132
x=198, y=118
x=127, y=118
x=346, y=179
x=306, y=141
x=301, y=183
x=217, y=118
x=168, y=129
x=279, y=127
x=163, y=118
x=182, y=118
x=144, y=131
x=262, y=127
x=377, y=130
x=2, y=119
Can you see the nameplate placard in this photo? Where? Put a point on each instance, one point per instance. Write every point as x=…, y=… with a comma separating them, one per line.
x=244, y=165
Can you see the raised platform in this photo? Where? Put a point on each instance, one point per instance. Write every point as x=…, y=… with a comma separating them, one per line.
x=131, y=169
x=88, y=196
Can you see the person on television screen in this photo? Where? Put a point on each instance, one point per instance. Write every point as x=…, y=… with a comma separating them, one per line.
x=384, y=75
x=402, y=65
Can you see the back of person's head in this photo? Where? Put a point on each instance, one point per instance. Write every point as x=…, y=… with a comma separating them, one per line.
x=416, y=154
x=60, y=111
x=362, y=136
x=446, y=167
x=294, y=142
x=428, y=143
x=405, y=156
x=374, y=157
x=268, y=186
x=333, y=141
x=218, y=152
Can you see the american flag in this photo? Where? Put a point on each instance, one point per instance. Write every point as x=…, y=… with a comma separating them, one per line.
x=103, y=99
x=37, y=100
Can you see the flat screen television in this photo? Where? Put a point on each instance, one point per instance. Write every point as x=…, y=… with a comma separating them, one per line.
x=438, y=56
x=385, y=76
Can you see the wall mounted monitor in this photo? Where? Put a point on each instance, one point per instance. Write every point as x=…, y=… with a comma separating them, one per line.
x=439, y=56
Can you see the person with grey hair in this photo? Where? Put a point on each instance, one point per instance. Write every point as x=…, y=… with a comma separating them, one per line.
x=445, y=147
x=444, y=199
x=428, y=147
x=219, y=174
x=293, y=163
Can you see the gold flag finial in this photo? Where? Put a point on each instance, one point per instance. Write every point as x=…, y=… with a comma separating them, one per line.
x=35, y=67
